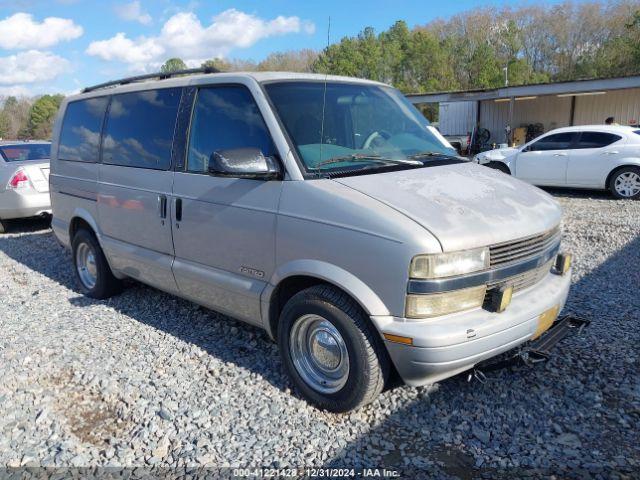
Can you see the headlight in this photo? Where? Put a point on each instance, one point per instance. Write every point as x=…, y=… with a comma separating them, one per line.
x=433, y=305
x=449, y=264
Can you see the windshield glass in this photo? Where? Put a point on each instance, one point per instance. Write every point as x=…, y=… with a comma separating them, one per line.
x=21, y=153
x=363, y=124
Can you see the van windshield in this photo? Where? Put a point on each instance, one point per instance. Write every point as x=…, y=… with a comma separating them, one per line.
x=365, y=126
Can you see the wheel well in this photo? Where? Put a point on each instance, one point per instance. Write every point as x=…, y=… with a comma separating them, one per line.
x=76, y=224
x=287, y=289
x=614, y=171
x=499, y=166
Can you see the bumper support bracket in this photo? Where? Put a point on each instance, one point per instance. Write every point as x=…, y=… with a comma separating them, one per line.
x=536, y=351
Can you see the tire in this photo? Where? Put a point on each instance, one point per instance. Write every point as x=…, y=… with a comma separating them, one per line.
x=366, y=356
x=499, y=166
x=105, y=285
x=625, y=183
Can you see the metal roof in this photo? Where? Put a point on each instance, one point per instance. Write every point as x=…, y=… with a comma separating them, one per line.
x=558, y=88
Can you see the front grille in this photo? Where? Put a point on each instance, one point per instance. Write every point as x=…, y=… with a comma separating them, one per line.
x=524, y=280
x=523, y=249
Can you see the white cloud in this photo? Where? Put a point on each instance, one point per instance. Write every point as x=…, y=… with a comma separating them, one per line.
x=184, y=36
x=15, y=91
x=30, y=67
x=20, y=31
x=132, y=12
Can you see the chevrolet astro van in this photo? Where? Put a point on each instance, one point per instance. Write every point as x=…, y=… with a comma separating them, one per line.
x=322, y=209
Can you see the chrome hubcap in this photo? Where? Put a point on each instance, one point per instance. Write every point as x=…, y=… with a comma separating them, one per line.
x=86, y=265
x=628, y=184
x=319, y=353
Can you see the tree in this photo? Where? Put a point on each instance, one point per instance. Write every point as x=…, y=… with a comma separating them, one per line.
x=41, y=117
x=173, y=65
x=217, y=64
x=14, y=115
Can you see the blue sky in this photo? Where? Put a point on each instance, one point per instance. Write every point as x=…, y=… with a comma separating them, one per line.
x=63, y=45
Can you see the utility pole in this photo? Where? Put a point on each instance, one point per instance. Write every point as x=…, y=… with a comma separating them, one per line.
x=506, y=75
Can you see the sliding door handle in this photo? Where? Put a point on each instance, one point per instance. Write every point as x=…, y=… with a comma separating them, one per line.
x=178, y=209
x=162, y=206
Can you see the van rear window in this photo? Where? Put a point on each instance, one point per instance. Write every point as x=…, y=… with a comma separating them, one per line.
x=139, y=128
x=22, y=153
x=80, y=134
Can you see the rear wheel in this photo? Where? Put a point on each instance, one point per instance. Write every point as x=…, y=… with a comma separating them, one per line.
x=625, y=183
x=333, y=354
x=91, y=268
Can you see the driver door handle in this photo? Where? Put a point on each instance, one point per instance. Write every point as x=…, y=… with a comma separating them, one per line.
x=560, y=154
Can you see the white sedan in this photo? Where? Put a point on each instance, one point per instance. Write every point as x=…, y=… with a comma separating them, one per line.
x=590, y=156
x=24, y=180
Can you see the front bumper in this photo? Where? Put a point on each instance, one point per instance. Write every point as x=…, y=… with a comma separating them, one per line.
x=445, y=346
x=23, y=203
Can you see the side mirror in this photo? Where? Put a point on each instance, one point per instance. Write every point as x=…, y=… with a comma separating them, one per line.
x=244, y=163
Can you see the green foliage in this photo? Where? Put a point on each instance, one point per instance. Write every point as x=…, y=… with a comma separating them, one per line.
x=217, y=64
x=536, y=44
x=173, y=65
x=41, y=117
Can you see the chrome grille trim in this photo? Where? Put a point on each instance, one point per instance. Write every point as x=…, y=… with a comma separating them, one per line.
x=524, y=280
x=520, y=250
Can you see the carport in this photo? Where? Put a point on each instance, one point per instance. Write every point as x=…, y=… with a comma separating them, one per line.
x=536, y=107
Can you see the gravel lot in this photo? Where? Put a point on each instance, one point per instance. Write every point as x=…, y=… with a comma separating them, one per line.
x=147, y=379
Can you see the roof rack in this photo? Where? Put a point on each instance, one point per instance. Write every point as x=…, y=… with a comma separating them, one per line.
x=149, y=76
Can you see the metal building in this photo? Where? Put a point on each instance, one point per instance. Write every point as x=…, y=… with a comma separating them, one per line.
x=553, y=105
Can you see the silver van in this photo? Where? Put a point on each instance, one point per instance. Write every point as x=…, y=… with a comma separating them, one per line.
x=322, y=209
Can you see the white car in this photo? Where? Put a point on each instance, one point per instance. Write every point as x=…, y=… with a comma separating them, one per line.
x=24, y=180
x=589, y=156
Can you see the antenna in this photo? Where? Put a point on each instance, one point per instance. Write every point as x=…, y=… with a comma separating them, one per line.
x=324, y=93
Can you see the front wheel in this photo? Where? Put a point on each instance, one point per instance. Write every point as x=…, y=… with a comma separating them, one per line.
x=333, y=354
x=91, y=268
x=625, y=183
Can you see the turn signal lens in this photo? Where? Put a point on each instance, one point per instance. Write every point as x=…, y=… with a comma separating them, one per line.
x=398, y=339
x=19, y=180
x=433, y=305
x=449, y=264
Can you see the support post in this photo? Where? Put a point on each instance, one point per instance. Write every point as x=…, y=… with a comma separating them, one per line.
x=573, y=111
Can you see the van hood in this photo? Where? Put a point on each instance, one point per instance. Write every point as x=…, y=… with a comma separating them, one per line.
x=463, y=205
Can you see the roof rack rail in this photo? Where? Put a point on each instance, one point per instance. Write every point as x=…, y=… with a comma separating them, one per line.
x=149, y=76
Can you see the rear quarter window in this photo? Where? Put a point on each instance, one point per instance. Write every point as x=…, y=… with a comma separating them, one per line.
x=80, y=134
x=139, y=129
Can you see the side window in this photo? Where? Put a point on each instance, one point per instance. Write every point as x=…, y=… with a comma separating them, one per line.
x=557, y=141
x=80, y=133
x=225, y=118
x=139, y=129
x=596, y=139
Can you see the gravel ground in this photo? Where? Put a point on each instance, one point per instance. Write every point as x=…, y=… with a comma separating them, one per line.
x=146, y=379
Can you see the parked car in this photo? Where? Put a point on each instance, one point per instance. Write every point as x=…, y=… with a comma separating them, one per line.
x=322, y=209
x=24, y=180
x=591, y=156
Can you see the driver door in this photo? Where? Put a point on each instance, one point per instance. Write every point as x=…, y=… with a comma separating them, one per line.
x=545, y=161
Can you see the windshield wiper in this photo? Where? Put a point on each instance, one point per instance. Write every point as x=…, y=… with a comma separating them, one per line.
x=359, y=157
